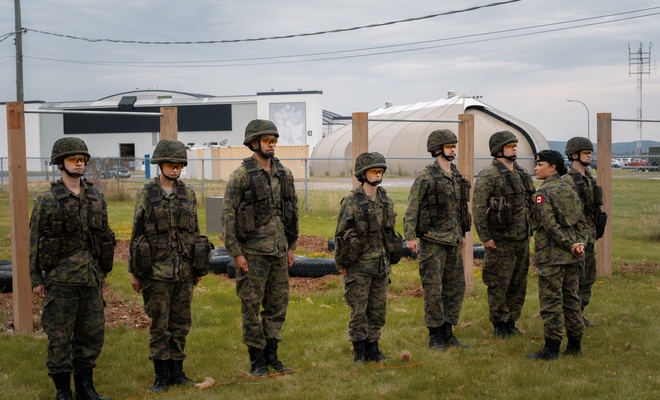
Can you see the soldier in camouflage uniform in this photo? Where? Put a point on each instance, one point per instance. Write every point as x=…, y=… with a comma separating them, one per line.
x=168, y=257
x=437, y=214
x=579, y=176
x=364, y=228
x=502, y=206
x=558, y=253
x=260, y=220
x=71, y=252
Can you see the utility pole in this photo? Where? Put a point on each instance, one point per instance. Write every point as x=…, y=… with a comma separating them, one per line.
x=642, y=61
x=18, y=33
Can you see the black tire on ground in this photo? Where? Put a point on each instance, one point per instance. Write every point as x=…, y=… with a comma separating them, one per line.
x=5, y=267
x=5, y=262
x=218, y=264
x=219, y=251
x=5, y=282
x=231, y=269
x=313, y=267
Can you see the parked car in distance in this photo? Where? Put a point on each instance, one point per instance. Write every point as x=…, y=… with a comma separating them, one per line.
x=114, y=173
x=637, y=162
x=617, y=163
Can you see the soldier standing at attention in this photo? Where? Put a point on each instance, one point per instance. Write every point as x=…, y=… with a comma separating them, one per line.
x=71, y=242
x=260, y=220
x=437, y=213
x=168, y=257
x=578, y=150
x=502, y=206
x=363, y=244
x=558, y=251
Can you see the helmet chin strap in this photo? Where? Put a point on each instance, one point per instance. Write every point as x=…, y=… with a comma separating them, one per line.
x=446, y=157
x=166, y=176
x=374, y=183
x=261, y=153
x=510, y=158
x=584, y=164
x=71, y=174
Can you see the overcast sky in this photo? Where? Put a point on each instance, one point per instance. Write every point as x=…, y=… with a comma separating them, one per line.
x=525, y=57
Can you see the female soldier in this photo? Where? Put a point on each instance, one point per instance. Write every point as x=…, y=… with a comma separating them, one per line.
x=558, y=250
x=363, y=242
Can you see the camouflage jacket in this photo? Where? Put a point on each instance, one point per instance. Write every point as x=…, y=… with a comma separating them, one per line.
x=170, y=246
x=269, y=239
x=448, y=229
x=374, y=259
x=502, y=210
x=586, y=192
x=561, y=223
x=60, y=245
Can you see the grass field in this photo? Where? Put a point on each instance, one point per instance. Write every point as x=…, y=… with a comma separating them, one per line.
x=620, y=359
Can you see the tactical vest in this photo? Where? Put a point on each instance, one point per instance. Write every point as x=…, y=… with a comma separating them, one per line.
x=433, y=209
x=516, y=196
x=256, y=209
x=77, y=226
x=368, y=229
x=591, y=199
x=162, y=236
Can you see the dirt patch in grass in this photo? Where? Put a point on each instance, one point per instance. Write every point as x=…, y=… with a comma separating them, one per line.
x=644, y=269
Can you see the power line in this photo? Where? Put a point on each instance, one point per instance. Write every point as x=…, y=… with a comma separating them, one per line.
x=355, y=28
x=255, y=60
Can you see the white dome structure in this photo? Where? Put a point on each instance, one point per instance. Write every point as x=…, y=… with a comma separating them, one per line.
x=402, y=141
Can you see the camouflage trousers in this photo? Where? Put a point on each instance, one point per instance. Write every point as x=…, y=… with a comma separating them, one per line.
x=588, y=277
x=366, y=295
x=168, y=304
x=265, y=284
x=443, y=281
x=74, y=321
x=505, y=274
x=560, y=300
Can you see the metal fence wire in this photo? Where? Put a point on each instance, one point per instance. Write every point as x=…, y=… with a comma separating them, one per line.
x=322, y=182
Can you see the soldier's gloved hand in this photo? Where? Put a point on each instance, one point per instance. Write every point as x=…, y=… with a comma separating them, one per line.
x=241, y=263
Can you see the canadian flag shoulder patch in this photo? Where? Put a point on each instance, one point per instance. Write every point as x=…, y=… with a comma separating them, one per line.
x=540, y=199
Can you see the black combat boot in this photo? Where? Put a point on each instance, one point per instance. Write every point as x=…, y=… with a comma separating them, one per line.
x=257, y=362
x=84, y=383
x=435, y=339
x=500, y=330
x=358, y=351
x=162, y=372
x=511, y=328
x=448, y=338
x=177, y=376
x=62, y=383
x=372, y=353
x=549, y=352
x=270, y=355
x=574, y=346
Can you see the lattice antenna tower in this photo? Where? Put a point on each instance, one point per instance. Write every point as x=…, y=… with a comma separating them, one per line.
x=639, y=63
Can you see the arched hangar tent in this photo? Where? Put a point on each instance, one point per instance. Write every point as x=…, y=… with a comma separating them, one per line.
x=404, y=143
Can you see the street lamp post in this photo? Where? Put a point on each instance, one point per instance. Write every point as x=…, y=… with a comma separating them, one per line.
x=587, y=108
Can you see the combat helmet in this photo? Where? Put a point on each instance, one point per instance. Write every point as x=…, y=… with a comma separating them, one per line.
x=578, y=144
x=169, y=151
x=500, y=139
x=68, y=146
x=439, y=138
x=257, y=128
x=367, y=161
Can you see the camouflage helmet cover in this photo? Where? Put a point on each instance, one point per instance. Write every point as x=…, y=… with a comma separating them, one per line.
x=577, y=144
x=257, y=128
x=68, y=146
x=367, y=161
x=169, y=151
x=439, y=138
x=500, y=139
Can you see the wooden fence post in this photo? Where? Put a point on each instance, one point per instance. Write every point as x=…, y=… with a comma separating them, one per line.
x=360, y=142
x=604, y=178
x=466, y=167
x=169, y=128
x=19, y=217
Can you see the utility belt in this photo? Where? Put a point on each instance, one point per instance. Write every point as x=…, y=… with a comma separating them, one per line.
x=144, y=252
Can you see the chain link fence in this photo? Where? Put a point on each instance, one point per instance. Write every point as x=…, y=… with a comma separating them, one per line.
x=322, y=182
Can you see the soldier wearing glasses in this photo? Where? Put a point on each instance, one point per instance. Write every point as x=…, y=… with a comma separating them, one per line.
x=71, y=253
x=260, y=220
